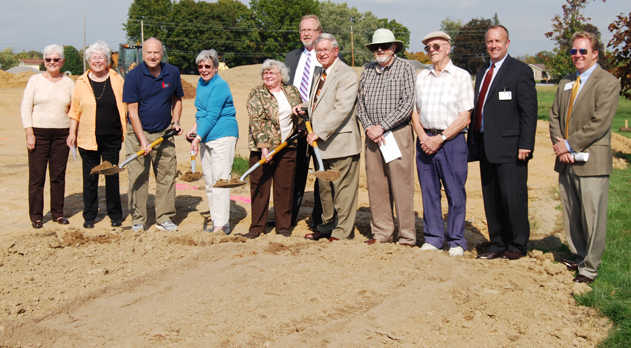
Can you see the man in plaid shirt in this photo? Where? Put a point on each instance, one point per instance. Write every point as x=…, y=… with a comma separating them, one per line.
x=444, y=100
x=384, y=107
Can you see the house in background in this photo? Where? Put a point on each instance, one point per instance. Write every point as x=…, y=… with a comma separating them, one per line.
x=540, y=72
x=31, y=63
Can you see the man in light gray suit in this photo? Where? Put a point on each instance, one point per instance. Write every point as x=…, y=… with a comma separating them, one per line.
x=580, y=122
x=336, y=130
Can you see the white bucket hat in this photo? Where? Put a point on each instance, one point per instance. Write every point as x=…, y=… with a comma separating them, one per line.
x=382, y=36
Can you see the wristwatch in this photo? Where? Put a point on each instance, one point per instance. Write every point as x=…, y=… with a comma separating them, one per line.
x=442, y=136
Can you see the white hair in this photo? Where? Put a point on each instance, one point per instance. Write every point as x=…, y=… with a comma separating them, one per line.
x=208, y=55
x=269, y=64
x=326, y=36
x=98, y=47
x=54, y=48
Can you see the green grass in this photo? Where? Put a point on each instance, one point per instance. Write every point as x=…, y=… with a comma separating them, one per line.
x=240, y=165
x=612, y=287
x=545, y=98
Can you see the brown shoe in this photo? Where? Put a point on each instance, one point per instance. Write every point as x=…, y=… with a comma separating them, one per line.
x=37, y=224
x=489, y=256
x=316, y=236
x=371, y=241
x=511, y=255
x=583, y=279
x=252, y=234
x=407, y=245
x=333, y=239
x=571, y=265
x=284, y=232
x=62, y=220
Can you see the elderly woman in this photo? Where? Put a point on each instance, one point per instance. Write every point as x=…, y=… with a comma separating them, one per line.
x=45, y=118
x=97, y=128
x=217, y=134
x=271, y=121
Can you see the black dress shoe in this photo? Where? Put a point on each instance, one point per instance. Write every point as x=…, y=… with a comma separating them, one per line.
x=62, y=220
x=88, y=224
x=116, y=223
x=511, y=255
x=316, y=236
x=271, y=223
x=582, y=279
x=489, y=256
x=571, y=265
x=37, y=224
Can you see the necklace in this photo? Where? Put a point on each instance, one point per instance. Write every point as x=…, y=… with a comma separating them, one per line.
x=102, y=92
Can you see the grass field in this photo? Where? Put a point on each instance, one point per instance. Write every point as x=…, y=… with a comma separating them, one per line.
x=545, y=97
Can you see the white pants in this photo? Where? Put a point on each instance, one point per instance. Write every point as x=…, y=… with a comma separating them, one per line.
x=217, y=157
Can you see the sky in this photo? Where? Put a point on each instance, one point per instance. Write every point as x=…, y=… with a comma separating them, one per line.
x=33, y=24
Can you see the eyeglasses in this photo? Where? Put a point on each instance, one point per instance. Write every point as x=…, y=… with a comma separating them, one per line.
x=304, y=31
x=327, y=51
x=383, y=47
x=56, y=60
x=270, y=73
x=435, y=46
x=573, y=51
x=97, y=58
x=202, y=66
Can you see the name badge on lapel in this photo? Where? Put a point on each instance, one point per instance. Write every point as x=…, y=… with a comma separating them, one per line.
x=568, y=85
x=506, y=95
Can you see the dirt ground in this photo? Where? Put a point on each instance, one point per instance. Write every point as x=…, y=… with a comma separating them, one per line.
x=65, y=286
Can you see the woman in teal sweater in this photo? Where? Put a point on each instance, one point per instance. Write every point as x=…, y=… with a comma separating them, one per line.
x=217, y=133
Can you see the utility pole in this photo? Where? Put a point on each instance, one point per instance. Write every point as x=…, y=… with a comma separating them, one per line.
x=84, y=41
x=352, y=49
x=142, y=31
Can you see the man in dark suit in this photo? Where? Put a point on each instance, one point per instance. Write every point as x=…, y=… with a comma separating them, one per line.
x=303, y=66
x=502, y=138
x=580, y=122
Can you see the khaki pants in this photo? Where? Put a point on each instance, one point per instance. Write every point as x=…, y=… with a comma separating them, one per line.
x=164, y=162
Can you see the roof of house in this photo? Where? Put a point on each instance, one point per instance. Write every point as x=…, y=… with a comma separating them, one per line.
x=32, y=61
x=541, y=67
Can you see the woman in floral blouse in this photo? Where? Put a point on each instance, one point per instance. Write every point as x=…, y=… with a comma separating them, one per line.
x=271, y=122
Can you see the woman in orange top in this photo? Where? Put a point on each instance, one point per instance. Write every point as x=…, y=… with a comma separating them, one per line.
x=97, y=128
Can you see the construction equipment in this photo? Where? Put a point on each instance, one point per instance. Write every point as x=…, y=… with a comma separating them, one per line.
x=129, y=56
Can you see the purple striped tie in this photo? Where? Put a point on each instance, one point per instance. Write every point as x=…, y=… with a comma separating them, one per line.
x=304, y=85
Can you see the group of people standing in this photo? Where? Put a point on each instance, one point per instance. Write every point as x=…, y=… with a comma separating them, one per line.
x=493, y=122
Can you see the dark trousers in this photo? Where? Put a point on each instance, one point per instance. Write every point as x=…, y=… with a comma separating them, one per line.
x=505, y=193
x=302, y=172
x=109, y=147
x=281, y=169
x=50, y=147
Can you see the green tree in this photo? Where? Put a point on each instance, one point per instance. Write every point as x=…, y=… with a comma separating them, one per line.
x=451, y=26
x=278, y=22
x=495, y=20
x=399, y=30
x=29, y=55
x=621, y=54
x=469, y=47
x=8, y=59
x=155, y=17
x=73, y=61
x=563, y=27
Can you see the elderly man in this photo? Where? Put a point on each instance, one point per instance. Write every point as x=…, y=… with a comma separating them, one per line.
x=331, y=109
x=384, y=107
x=444, y=101
x=502, y=138
x=153, y=93
x=580, y=121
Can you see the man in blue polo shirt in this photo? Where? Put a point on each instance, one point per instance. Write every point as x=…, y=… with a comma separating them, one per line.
x=153, y=93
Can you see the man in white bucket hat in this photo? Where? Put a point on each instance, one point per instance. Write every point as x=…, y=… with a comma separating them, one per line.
x=384, y=107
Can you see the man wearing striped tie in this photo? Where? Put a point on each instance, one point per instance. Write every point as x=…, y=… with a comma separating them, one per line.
x=580, y=121
x=302, y=65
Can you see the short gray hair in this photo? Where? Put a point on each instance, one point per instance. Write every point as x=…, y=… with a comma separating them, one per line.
x=99, y=46
x=269, y=64
x=326, y=36
x=54, y=48
x=208, y=55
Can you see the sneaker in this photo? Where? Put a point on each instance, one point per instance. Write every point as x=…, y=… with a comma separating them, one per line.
x=138, y=228
x=429, y=247
x=456, y=251
x=167, y=226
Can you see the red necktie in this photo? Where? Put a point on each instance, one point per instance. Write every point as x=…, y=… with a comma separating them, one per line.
x=482, y=97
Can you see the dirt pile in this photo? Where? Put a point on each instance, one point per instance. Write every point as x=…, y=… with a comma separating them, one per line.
x=189, y=90
x=19, y=80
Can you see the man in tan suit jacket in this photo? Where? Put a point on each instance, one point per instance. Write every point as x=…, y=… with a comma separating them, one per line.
x=583, y=125
x=336, y=132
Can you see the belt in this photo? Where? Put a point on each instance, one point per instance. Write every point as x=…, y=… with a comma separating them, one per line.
x=433, y=131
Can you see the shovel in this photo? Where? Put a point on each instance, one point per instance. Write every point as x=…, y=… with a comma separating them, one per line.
x=329, y=175
x=191, y=175
x=106, y=168
x=222, y=183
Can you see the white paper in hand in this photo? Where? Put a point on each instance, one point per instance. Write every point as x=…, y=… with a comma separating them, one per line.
x=73, y=151
x=390, y=150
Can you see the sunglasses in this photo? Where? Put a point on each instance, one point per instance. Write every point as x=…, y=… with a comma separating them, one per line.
x=383, y=47
x=573, y=51
x=207, y=66
x=435, y=46
x=56, y=60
